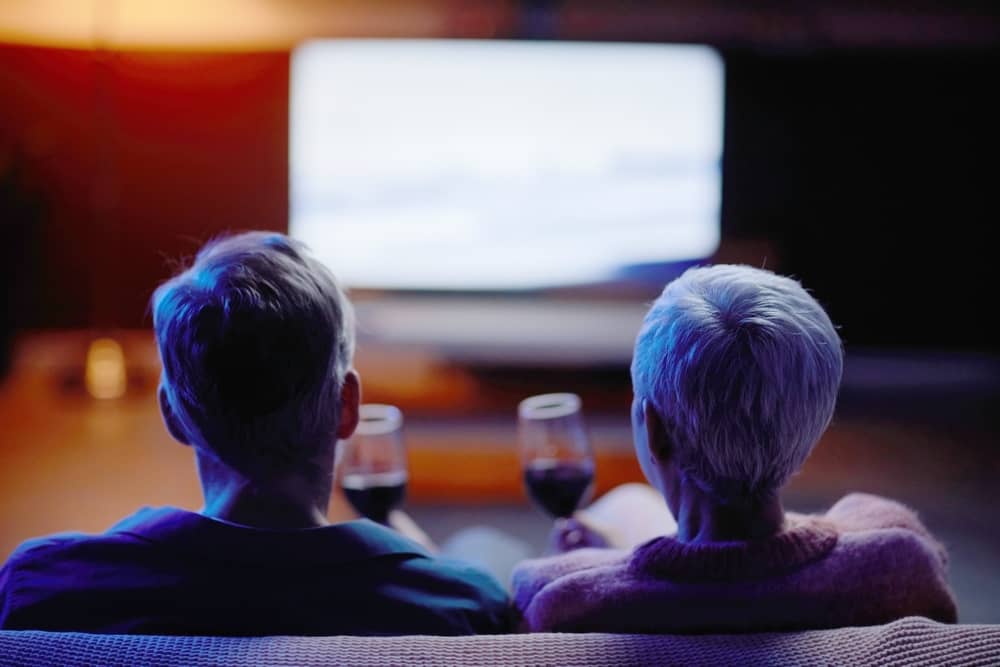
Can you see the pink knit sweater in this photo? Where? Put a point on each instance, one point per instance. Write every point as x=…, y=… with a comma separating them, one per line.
x=867, y=561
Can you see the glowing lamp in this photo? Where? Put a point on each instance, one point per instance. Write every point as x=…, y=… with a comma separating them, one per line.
x=105, y=376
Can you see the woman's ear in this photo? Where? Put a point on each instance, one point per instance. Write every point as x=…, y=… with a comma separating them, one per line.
x=350, y=401
x=174, y=426
x=660, y=446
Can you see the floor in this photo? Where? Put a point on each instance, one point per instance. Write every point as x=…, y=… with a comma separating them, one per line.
x=68, y=462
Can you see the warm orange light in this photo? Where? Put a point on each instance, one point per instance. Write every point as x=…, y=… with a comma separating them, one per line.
x=213, y=25
x=105, y=375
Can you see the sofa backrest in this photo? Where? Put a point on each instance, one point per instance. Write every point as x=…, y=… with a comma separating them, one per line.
x=913, y=640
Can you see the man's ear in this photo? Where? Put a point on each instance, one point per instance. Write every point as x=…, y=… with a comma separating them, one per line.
x=656, y=435
x=350, y=401
x=170, y=419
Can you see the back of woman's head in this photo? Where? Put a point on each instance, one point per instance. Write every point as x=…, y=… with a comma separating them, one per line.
x=743, y=368
x=255, y=339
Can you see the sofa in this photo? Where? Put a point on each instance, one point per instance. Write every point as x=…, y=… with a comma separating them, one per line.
x=909, y=641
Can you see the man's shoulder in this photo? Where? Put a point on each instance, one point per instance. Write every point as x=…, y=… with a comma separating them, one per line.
x=458, y=575
x=39, y=546
x=53, y=553
x=466, y=598
x=57, y=545
x=43, y=569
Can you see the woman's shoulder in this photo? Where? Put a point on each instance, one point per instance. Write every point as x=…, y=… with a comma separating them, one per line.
x=870, y=520
x=858, y=512
x=541, y=571
x=548, y=591
x=883, y=540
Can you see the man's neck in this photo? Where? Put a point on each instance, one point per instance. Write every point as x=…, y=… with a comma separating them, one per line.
x=289, y=502
x=262, y=510
x=703, y=518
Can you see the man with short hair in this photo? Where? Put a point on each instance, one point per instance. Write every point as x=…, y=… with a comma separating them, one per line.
x=256, y=341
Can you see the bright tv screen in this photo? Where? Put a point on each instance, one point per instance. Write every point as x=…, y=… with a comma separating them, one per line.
x=466, y=165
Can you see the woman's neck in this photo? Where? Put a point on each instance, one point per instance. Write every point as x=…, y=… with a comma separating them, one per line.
x=703, y=518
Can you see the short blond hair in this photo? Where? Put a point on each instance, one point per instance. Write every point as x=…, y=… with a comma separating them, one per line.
x=255, y=338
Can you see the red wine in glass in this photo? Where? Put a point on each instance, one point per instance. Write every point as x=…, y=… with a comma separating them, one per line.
x=372, y=462
x=556, y=459
x=374, y=495
x=558, y=487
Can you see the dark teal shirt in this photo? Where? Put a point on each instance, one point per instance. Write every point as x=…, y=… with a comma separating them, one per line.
x=170, y=571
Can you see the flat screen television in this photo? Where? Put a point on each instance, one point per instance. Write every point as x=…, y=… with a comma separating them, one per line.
x=503, y=200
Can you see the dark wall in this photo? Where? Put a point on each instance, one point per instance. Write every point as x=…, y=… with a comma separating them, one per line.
x=135, y=159
x=875, y=174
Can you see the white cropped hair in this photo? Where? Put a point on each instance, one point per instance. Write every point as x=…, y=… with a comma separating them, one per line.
x=743, y=367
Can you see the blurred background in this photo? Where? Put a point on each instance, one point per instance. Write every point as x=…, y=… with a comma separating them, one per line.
x=857, y=152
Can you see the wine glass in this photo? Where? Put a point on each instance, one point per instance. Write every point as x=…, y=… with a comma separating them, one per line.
x=556, y=457
x=373, y=469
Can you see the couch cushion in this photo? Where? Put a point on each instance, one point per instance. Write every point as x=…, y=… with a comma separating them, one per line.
x=907, y=641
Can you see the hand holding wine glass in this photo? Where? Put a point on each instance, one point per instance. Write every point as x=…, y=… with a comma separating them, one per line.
x=556, y=457
x=373, y=468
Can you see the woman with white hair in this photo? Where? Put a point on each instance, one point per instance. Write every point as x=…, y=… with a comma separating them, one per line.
x=735, y=372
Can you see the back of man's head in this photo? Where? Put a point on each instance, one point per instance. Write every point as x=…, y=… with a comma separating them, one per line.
x=255, y=340
x=743, y=368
